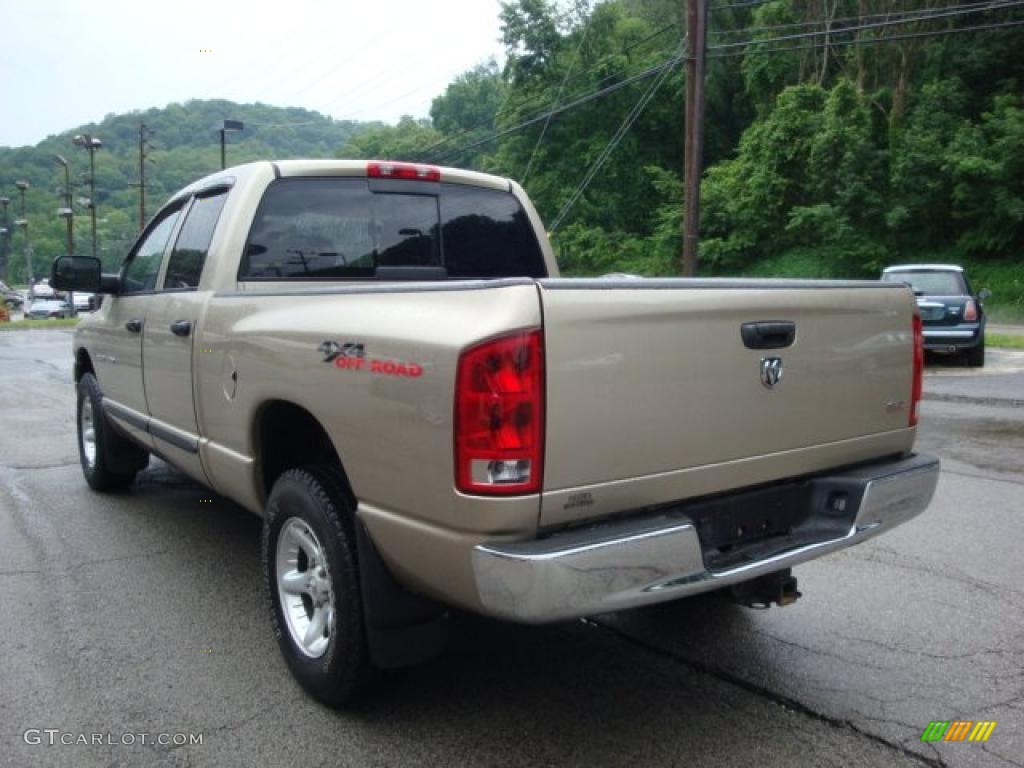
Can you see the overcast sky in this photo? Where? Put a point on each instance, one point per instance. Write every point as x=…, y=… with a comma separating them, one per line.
x=68, y=62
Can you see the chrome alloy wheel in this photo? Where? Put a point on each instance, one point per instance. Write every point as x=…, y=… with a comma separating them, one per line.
x=304, y=588
x=87, y=427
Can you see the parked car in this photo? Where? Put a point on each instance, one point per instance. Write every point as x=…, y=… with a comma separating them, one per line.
x=953, y=314
x=47, y=309
x=11, y=298
x=85, y=301
x=381, y=361
x=42, y=290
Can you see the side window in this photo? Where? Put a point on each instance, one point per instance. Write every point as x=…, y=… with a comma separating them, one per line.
x=487, y=234
x=189, y=255
x=141, y=271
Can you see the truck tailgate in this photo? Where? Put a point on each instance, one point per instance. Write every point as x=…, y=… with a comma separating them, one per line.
x=654, y=396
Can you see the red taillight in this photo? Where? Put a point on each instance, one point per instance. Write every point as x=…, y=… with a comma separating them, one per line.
x=499, y=416
x=971, y=311
x=915, y=393
x=408, y=171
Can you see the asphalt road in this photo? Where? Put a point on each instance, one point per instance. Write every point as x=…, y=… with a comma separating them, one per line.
x=140, y=613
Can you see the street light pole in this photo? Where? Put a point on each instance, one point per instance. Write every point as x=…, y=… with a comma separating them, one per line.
x=23, y=222
x=5, y=248
x=68, y=215
x=67, y=204
x=90, y=143
x=227, y=126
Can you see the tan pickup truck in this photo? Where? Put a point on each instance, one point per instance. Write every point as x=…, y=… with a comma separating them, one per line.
x=381, y=361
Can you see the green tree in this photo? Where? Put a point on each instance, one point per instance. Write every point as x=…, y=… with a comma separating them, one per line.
x=405, y=141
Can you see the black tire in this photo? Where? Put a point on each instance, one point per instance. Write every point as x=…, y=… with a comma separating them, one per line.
x=336, y=672
x=976, y=355
x=116, y=459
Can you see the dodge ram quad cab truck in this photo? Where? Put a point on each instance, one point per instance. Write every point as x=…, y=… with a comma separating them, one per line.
x=381, y=361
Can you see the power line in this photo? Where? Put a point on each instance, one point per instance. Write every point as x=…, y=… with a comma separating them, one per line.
x=928, y=14
x=614, y=142
x=870, y=40
x=543, y=97
x=749, y=4
x=675, y=60
x=863, y=17
x=558, y=98
x=861, y=27
x=650, y=72
x=422, y=87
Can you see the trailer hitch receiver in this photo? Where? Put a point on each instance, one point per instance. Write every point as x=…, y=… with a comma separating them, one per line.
x=779, y=588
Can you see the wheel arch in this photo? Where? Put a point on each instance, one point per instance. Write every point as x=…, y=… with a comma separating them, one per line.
x=402, y=628
x=285, y=436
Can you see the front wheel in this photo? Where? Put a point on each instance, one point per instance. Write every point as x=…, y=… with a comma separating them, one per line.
x=109, y=460
x=311, y=577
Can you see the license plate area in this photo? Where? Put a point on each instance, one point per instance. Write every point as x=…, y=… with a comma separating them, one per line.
x=755, y=524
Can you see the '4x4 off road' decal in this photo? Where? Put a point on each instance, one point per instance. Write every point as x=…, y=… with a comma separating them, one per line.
x=352, y=357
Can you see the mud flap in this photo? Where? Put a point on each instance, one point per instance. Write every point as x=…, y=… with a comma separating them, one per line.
x=402, y=629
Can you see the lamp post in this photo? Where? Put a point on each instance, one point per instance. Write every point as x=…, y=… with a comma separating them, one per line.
x=227, y=126
x=90, y=143
x=23, y=223
x=5, y=232
x=66, y=211
x=68, y=215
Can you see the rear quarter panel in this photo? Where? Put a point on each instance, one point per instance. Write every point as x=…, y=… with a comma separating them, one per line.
x=392, y=432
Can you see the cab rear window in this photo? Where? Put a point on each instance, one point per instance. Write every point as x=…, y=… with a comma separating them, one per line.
x=342, y=229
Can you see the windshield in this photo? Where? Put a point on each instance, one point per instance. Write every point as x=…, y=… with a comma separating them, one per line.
x=929, y=283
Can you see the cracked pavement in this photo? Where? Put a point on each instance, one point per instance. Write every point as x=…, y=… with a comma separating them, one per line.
x=141, y=612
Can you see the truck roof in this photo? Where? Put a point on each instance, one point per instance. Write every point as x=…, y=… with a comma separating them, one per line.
x=320, y=167
x=923, y=268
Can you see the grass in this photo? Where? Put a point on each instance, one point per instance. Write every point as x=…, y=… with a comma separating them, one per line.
x=24, y=325
x=1004, y=340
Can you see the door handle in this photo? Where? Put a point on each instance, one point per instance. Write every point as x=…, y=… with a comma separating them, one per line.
x=134, y=325
x=181, y=327
x=768, y=335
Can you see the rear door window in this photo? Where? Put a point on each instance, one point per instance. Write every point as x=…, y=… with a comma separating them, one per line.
x=340, y=228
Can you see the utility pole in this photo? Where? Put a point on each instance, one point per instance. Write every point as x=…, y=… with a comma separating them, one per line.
x=693, y=149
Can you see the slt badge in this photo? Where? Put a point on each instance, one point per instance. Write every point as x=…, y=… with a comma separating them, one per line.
x=771, y=371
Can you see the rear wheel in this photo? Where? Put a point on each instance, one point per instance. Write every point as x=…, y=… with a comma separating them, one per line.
x=109, y=460
x=311, y=577
x=976, y=355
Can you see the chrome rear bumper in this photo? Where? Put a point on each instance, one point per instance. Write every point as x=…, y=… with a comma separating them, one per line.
x=625, y=564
